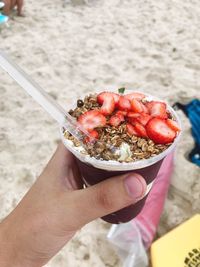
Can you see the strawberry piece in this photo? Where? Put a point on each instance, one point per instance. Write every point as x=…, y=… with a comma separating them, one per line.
x=141, y=131
x=116, y=97
x=120, y=116
x=159, y=131
x=108, y=105
x=132, y=117
x=92, y=119
x=149, y=105
x=138, y=96
x=136, y=106
x=133, y=114
x=116, y=120
x=124, y=104
x=137, y=130
x=132, y=120
x=93, y=135
x=143, y=118
x=103, y=96
x=157, y=109
x=121, y=112
x=173, y=125
x=131, y=130
x=145, y=109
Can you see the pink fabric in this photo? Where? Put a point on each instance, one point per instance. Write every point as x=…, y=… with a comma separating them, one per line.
x=149, y=217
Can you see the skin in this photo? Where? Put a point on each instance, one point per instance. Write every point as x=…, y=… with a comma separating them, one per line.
x=7, y=7
x=10, y=4
x=56, y=207
x=19, y=4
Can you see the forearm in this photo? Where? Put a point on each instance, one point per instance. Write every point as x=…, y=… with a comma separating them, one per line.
x=30, y=235
x=11, y=254
x=16, y=235
x=26, y=233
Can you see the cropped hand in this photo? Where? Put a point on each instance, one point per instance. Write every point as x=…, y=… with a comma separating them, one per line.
x=57, y=206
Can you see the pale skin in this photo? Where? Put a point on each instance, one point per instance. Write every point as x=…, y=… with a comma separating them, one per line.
x=10, y=4
x=56, y=207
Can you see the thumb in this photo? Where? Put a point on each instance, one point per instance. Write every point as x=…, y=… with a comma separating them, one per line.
x=106, y=197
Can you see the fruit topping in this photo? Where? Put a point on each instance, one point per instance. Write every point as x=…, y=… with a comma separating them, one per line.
x=173, y=125
x=159, y=131
x=116, y=120
x=92, y=119
x=157, y=109
x=93, y=135
x=138, y=96
x=124, y=104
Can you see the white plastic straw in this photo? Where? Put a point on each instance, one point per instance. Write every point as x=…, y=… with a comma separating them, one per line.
x=47, y=102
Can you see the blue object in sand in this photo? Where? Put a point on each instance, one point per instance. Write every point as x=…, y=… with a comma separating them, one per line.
x=192, y=111
x=3, y=19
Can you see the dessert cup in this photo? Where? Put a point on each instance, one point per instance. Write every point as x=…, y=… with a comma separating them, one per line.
x=94, y=171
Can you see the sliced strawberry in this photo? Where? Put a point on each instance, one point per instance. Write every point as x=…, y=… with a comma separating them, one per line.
x=116, y=120
x=173, y=125
x=103, y=96
x=136, y=106
x=92, y=119
x=150, y=104
x=93, y=135
x=116, y=97
x=132, y=120
x=157, y=109
x=132, y=117
x=121, y=112
x=145, y=109
x=141, y=131
x=120, y=116
x=138, y=96
x=159, y=131
x=143, y=118
x=131, y=114
x=108, y=105
x=131, y=130
x=124, y=104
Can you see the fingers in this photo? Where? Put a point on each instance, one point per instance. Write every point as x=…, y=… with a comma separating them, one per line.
x=106, y=197
x=63, y=169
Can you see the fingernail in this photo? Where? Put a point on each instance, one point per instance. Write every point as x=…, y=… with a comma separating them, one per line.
x=135, y=186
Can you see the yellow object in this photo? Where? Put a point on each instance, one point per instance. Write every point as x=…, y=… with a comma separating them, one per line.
x=180, y=247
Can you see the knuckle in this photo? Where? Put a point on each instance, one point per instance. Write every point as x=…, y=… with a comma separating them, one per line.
x=104, y=199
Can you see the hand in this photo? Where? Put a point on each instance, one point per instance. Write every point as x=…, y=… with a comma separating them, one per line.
x=56, y=207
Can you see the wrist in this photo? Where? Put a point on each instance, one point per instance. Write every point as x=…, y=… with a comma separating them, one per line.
x=11, y=254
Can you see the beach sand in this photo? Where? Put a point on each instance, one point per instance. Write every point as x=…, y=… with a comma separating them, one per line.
x=74, y=49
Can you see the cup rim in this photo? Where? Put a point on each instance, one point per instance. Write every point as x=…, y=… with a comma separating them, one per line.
x=113, y=165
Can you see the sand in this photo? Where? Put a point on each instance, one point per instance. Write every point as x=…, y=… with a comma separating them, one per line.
x=73, y=49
